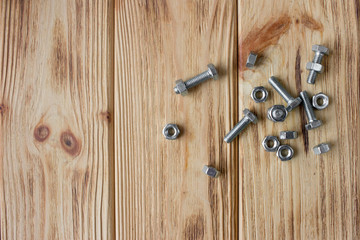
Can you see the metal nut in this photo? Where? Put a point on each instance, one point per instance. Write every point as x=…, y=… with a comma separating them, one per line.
x=321, y=148
x=180, y=87
x=264, y=94
x=171, y=131
x=323, y=97
x=211, y=171
x=250, y=63
x=317, y=67
x=277, y=113
x=271, y=143
x=288, y=134
x=285, y=156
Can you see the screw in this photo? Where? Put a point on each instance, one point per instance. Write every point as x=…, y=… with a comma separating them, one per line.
x=313, y=122
x=182, y=87
x=315, y=67
x=246, y=120
x=292, y=102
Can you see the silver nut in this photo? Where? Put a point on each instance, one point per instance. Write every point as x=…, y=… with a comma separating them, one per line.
x=211, y=171
x=213, y=72
x=271, y=143
x=180, y=88
x=288, y=134
x=250, y=63
x=250, y=115
x=277, y=113
x=259, y=94
x=171, y=131
x=321, y=148
x=313, y=124
x=321, y=49
x=293, y=104
x=317, y=67
x=320, y=101
x=285, y=152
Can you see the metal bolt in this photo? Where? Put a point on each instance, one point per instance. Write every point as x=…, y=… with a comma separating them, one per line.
x=292, y=102
x=315, y=67
x=246, y=120
x=182, y=87
x=313, y=122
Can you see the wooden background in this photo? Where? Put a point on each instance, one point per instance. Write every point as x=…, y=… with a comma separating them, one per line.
x=87, y=86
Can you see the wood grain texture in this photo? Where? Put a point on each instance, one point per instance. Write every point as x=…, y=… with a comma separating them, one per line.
x=161, y=192
x=309, y=197
x=55, y=110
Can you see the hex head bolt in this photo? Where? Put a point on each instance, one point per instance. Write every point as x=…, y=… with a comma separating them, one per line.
x=315, y=67
x=246, y=120
x=313, y=122
x=292, y=102
x=183, y=87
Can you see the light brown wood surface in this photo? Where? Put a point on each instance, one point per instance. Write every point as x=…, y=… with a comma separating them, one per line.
x=55, y=103
x=86, y=88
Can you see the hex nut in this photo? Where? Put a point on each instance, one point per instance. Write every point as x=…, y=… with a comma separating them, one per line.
x=288, y=134
x=211, y=171
x=323, y=97
x=264, y=94
x=321, y=148
x=180, y=87
x=288, y=156
x=171, y=131
x=250, y=63
x=321, y=49
x=277, y=113
x=267, y=146
x=317, y=67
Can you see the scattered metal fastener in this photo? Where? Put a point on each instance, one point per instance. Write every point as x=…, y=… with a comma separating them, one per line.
x=313, y=122
x=288, y=134
x=285, y=156
x=277, y=113
x=250, y=63
x=271, y=143
x=321, y=148
x=259, y=90
x=182, y=87
x=171, y=131
x=246, y=120
x=315, y=67
x=292, y=102
x=211, y=171
x=323, y=97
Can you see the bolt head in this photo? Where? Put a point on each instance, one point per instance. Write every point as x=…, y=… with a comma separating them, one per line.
x=321, y=49
x=212, y=71
x=277, y=113
x=321, y=148
x=211, y=171
x=317, y=67
x=313, y=124
x=293, y=104
x=180, y=88
x=250, y=115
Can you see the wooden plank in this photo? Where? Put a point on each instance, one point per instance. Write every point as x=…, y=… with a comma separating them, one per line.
x=161, y=192
x=309, y=197
x=55, y=106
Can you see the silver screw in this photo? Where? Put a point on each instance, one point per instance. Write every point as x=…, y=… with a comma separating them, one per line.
x=246, y=120
x=292, y=102
x=313, y=122
x=315, y=67
x=182, y=87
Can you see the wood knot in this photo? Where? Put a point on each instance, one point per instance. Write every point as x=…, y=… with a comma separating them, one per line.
x=3, y=109
x=69, y=143
x=106, y=116
x=41, y=133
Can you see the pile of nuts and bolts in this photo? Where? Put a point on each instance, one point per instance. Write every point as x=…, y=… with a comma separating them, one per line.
x=276, y=113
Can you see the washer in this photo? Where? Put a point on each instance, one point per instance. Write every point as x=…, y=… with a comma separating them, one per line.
x=288, y=156
x=264, y=94
x=323, y=97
